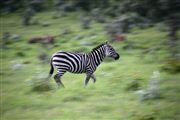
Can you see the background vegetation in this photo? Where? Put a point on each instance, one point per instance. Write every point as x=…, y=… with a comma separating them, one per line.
x=142, y=85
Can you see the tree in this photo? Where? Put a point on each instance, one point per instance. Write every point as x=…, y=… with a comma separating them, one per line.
x=167, y=11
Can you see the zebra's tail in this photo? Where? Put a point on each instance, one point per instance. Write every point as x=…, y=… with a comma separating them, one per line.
x=52, y=69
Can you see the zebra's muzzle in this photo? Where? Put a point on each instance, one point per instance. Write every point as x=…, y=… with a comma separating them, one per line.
x=117, y=56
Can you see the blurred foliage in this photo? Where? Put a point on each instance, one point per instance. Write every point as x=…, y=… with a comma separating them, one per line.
x=156, y=10
x=171, y=65
x=40, y=83
x=136, y=12
x=41, y=87
x=133, y=85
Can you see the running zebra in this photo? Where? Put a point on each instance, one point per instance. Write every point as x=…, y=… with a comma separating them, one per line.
x=80, y=62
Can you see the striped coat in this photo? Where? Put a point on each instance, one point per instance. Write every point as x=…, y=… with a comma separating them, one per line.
x=80, y=62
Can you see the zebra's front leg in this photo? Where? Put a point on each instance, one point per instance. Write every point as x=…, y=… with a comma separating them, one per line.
x=93, y=77
x=57, y=78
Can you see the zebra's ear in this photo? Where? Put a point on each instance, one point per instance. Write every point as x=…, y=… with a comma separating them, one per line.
x=107, y=42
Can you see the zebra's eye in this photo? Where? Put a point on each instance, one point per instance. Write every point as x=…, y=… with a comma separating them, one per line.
x=111, y=49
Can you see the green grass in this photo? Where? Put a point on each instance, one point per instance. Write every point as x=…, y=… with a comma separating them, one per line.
x=107, y=99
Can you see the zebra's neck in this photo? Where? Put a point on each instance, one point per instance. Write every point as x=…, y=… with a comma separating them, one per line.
x=97, y=55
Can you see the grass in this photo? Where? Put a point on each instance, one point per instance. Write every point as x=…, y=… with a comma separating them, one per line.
x=107, y=99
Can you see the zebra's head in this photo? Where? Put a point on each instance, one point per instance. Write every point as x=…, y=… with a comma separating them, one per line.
x=110, y=51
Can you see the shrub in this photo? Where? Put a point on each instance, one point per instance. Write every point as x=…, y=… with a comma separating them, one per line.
x=133, y=85
x=41, y=86
x=171, y=65
x=40, y=83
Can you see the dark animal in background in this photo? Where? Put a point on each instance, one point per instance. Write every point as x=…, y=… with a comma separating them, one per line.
x=119, y=38
x=45, y=40
x=80, y=62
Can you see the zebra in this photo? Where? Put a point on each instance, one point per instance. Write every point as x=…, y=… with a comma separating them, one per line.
x=80, y=62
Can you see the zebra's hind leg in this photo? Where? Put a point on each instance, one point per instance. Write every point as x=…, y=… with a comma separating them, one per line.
x=57, y=78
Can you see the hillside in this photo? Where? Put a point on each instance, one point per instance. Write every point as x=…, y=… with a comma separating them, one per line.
x=108, y=98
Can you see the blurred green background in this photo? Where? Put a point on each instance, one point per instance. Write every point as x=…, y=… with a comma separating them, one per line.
x=142, y=85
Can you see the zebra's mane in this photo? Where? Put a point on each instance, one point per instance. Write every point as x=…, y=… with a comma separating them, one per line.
x=98, y=47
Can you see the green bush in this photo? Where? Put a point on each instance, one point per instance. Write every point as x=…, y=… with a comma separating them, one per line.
x=133, y=85
x=171, y=65
x=41, y=87
x=40, y=83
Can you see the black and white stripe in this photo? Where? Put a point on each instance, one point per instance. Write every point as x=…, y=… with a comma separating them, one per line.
x=81, y=62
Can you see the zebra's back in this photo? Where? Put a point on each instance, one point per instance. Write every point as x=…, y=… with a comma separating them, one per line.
x=68, y=61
